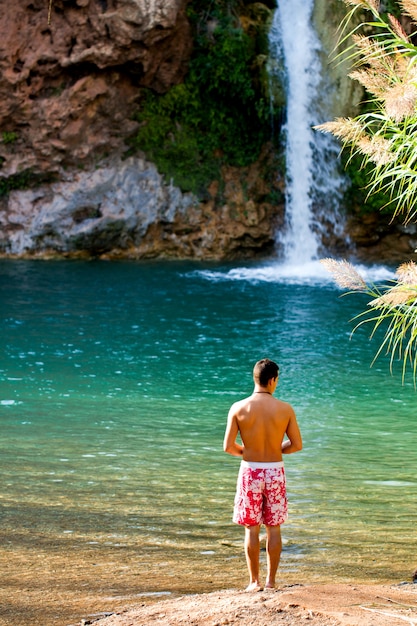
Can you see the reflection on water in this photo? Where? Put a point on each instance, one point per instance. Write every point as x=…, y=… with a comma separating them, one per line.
x=115, y=383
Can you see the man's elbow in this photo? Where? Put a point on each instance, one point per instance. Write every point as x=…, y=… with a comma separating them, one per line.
x=294, y=446
x=226, y=447
x=229, y=449
x=233, y=448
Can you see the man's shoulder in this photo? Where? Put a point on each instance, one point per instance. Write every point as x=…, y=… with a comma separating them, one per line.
x=243, y=401
x=284, y=406
x=282, y=401
x=239, y=404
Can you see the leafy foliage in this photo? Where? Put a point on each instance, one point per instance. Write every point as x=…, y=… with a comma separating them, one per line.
x=8, y=137
x=218, y=115
x=357, y=195
x=23, y=180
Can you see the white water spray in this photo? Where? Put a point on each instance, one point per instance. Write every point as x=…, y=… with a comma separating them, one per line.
x=313, y=182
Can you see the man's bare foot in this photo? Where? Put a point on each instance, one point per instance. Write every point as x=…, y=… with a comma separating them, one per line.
x=269, y=585
x=254, y=587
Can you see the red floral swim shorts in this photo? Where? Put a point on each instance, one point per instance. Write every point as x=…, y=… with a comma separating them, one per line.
x=261, y=494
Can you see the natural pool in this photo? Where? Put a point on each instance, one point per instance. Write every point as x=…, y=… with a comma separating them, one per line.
x=116, y=379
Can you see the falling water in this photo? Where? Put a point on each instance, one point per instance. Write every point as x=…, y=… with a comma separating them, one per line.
x=313, y=183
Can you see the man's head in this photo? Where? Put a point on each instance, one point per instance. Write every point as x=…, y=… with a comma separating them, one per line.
x=264, y=370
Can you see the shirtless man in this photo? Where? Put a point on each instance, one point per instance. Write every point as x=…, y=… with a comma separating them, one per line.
x=262, y=423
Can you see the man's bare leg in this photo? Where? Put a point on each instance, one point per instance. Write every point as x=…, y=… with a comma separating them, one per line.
x=273, y=553
x=252, y=557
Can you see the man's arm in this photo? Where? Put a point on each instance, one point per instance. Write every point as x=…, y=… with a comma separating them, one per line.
x=229, y=443
x=294, y=443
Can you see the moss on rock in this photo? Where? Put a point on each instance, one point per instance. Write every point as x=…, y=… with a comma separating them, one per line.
x=220, y=115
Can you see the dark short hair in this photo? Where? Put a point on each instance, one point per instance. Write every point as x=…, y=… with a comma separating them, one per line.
x=264, y=370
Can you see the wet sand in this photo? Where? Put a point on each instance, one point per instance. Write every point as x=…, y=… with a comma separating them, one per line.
x=317, y=605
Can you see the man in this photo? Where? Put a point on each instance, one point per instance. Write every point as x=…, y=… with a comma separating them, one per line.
x=262, y=423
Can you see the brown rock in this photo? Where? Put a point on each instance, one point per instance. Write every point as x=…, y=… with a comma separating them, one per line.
x=377, y=237
x=126, y=209
x=67, y=89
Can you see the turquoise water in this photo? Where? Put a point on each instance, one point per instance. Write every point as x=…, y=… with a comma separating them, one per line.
x=116, y=379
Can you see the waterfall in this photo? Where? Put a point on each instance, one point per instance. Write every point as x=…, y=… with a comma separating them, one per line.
x=314, y=184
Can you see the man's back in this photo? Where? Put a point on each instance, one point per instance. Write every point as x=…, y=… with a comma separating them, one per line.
x=262, y=421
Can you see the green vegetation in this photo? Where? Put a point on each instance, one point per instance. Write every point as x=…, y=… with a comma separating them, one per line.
x=220, y=114
x=23, y=180
x=357, y=195
x=384, y=136
x=383, y=139
x=391, y=8
x=8, y=137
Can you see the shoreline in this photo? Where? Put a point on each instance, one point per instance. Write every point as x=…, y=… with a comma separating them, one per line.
x=327, y=604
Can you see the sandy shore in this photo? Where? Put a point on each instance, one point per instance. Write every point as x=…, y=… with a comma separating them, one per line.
x=316, y=604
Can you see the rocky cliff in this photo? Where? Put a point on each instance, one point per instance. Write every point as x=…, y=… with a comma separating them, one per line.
x=68, y=87
x=70, y=84
x=125, y=209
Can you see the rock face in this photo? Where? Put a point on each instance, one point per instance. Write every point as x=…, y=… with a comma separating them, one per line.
x=376, y=238
x=125, y=209
x=346, y=94
x=67, y=88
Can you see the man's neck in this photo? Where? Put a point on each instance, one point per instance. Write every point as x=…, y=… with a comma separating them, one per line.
x=260, y=390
